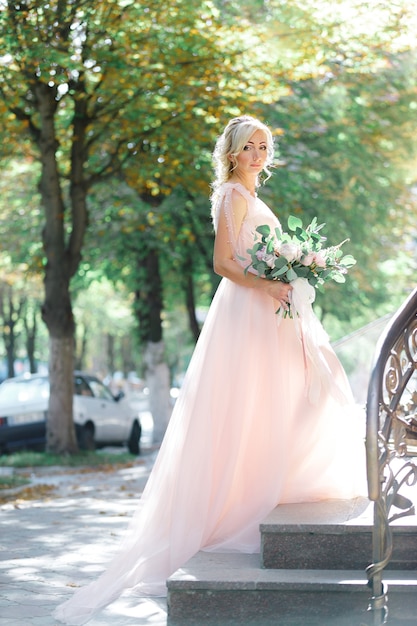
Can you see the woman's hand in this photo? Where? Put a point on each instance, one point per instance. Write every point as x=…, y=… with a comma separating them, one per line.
x=279, y=291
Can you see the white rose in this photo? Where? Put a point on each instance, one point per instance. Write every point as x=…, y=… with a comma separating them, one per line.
x=290, y=251
x=270, y=260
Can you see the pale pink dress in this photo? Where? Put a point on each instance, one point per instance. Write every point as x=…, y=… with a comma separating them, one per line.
x=243, y=438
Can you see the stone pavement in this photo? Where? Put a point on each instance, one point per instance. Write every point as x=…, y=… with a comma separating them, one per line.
x=62, y=534
x=63, y=538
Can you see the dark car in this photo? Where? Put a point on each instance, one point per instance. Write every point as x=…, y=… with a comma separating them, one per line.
x=100, y=418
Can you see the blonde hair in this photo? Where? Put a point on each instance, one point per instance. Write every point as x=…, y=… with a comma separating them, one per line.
x=231, y=143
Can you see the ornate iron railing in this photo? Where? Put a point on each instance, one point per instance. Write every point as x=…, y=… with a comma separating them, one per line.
x=391, y=428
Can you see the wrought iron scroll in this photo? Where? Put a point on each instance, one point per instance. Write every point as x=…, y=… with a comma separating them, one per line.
x=391, y=428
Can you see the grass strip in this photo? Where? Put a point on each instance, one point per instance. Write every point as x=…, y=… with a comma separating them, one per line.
x=12, y=481
x=81, y=459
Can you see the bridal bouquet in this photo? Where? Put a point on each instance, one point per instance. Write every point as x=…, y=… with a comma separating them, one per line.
x=300, y=258
x=279, y=255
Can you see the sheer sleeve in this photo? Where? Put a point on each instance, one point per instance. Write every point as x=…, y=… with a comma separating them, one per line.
x=241, y=233
x=224, y=205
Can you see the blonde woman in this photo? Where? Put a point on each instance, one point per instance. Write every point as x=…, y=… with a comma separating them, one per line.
x=246, y=433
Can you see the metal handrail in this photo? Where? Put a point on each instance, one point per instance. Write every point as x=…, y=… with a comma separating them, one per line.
x=392, y=393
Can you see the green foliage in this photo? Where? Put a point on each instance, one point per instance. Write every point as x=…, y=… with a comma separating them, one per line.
x=97, y=459
x=346, y=154
x=20, y=214
x=139, y=92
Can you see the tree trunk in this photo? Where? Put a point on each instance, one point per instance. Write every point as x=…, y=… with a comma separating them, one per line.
x=62, y=260
x=60, y=432
x=31, y=327
x=149, y=298
x=57, y=314
x=149, y=306
x=10, y=316
x=9, y=337
x=9, y=342
x=158, y=382
x=110, y=353
x=81, y=347
x=190, y=303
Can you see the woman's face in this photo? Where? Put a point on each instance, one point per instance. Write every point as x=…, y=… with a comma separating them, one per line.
x=253, y=156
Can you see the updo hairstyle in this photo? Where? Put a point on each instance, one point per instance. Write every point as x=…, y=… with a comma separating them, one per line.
x=231, y=143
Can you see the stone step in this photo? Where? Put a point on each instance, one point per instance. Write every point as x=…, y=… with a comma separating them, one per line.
x=332, y=534
x=221, y=589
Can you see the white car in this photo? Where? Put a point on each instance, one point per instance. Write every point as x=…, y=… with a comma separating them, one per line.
x=100, y=418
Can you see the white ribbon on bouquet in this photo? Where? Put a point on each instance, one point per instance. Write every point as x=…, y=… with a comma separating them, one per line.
x=313, y=337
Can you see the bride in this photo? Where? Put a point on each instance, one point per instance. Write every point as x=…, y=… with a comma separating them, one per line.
x=260, y=419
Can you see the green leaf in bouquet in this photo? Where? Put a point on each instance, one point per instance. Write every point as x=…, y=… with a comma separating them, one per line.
x=303, y=272
x=348, y=260
x=279, y=271
x=326, y=273
x=291, y=275
x=256, y=247
x=319, y=227
x=264, y=230
x=280, y=261
x=316, y=238
x=261, y=267
x=270, y=245
x=314, y=281
x=338, y=277
x=301, y=235
x=294, y=223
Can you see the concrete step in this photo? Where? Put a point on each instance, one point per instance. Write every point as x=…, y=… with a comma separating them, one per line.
x=333, y=534
x=222, y=589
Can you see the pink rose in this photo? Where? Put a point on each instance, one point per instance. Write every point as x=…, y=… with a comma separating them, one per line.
x=320, y=260
x=269, y=259
x=307, y=259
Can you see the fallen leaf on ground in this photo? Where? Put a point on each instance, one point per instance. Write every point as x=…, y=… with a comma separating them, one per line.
x=35, y=492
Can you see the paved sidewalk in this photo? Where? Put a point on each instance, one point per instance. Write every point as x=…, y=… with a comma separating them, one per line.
x=63, y=539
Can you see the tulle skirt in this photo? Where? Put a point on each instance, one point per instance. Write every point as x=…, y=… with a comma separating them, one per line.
x=243, y=437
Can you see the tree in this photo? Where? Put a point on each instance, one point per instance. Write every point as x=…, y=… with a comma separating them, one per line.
x=10, y=312
x=108, y=88
x=95, y=84
x=345, y=151
x=19, y=313
x=20, y=285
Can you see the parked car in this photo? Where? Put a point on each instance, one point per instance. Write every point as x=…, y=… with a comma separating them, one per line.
x=100, y=417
